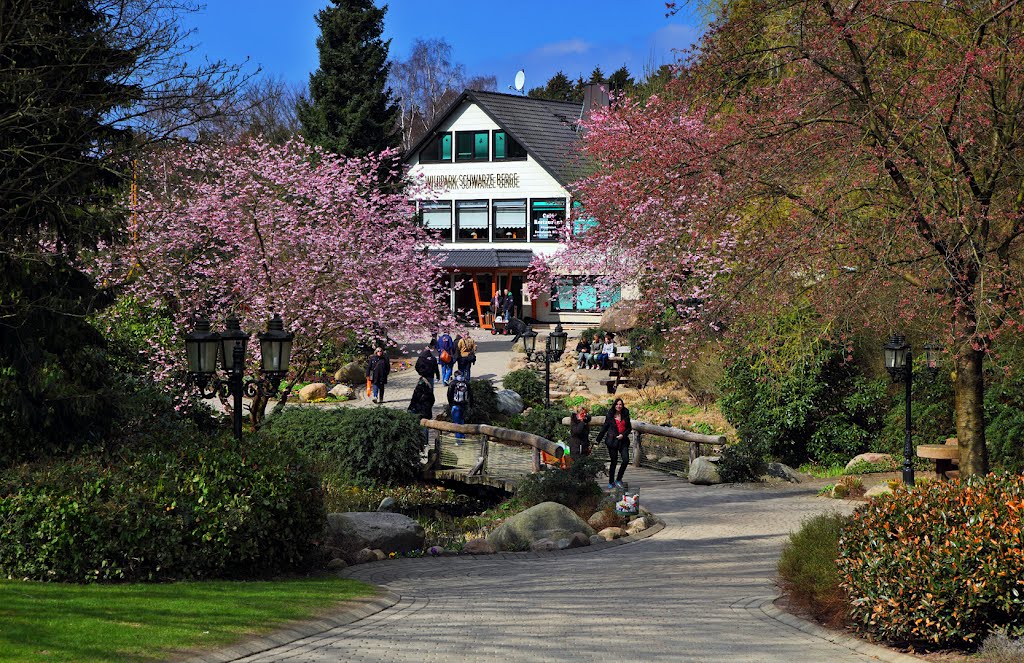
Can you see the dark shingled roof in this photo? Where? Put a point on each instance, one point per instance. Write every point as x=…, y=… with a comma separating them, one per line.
x=484, y=258
x=544, y=127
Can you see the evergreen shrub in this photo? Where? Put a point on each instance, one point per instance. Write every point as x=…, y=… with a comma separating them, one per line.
x=939, y=565
x=740, y=463
x=543, y=421
x=201, y=507
x=485, y=402
x=575, y=487
x=525, y=382
x=808, y=571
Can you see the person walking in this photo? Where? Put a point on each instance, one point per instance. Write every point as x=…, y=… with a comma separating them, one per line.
x=579, y=434
x=445, y=357
x=377, y=369
x=615, y=432
x=422, y=402
x=466, y=356
x=426, y=366
x=460, y=399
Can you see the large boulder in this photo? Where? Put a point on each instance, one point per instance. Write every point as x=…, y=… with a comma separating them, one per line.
x=352, y=374
x=780, y=471
x=342, y=392
x=313, y=392
x=347, y=533
x=547, y=520
x=509, y=402
x=621, y=316
x=871, y=458
x=704, y=472
x=479, y=547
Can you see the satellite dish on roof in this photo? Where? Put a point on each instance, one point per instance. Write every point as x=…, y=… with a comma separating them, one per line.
x=520, y=80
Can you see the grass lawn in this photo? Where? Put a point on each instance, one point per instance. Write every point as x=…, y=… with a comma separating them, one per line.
x=143, y=622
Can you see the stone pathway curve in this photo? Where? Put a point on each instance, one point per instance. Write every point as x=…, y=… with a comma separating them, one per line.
x=699, y=590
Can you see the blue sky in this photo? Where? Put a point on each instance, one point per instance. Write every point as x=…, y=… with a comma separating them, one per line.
x=540, y=36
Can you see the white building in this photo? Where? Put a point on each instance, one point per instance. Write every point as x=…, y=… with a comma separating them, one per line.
x=500, y=166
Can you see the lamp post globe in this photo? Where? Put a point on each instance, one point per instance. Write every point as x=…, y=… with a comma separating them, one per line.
x=896, y=353
x=201, y=348
x=232, y=335
x=529, y=340
x=276, y=349
x=557, y=340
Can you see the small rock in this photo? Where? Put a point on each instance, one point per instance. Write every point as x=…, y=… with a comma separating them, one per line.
x=435, y=551
x=609, y=533
x=638, y=525
x=579, y=540
x=342, y=392
x=873, y=458
x=840, y=491
x=312, y=392
x=665, y=460
x=564, y=544
x=479, y=546
x=509, y=402
x=596, y=539
x=880, y=489
x=380, y=554
x=704, y=472
x=783, y=472
x=543, y=545
x=596, y=520
x=363, y=556
x=336, y=564
x=388, y=505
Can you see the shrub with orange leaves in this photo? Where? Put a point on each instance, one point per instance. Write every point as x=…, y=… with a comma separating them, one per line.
x=941, y=565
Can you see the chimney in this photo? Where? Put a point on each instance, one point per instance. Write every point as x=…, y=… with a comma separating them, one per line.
x=595, y=95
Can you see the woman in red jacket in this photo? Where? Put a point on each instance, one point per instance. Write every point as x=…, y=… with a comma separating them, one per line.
x=615, y=431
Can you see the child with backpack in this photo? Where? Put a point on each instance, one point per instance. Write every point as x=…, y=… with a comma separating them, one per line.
x=460, y=399
x=445, y=357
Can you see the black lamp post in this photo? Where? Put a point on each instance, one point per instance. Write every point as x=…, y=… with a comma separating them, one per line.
x=554, y=346
x=202, y=347
x=899, y=363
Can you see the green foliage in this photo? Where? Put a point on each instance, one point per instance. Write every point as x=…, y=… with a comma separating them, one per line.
x=362, y=445
x=350, y=110
x=817, y=407
x=573, y=402
x=485, y=402
x=543, y=421
x=739, y=463
x=574, y=487
x=808, y=569
x=198, y=508
x=931, y=413
x=937, y=566
x=525, y=382
x=1004, y=410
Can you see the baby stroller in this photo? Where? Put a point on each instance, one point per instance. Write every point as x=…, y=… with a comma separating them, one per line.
x=499, y=325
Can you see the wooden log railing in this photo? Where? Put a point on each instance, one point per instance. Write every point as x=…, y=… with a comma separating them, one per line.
x=496, y=433
x=641, y=428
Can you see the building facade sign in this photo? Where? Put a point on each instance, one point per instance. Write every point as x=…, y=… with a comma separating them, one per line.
x=474, y=181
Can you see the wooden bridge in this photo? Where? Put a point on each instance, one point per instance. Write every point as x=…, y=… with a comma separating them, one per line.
x=499, y=457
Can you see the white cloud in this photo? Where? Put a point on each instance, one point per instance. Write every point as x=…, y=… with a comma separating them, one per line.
x=567, y=47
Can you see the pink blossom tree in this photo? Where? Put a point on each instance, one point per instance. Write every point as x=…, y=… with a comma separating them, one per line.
x=255, y=229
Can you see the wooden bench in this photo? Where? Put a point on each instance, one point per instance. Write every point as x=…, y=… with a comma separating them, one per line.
x=619, y=373
x=946, y=457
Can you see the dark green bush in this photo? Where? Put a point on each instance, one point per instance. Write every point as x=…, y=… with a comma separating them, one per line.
x=525, y=383
x=198, y=508
x=807, y=568
x=543, y=421
x=574, y=487
x=485, y=402
x=817, y=408
x=931, y=412
x=740, y=462
x=937, y=566
x=1004, y=411
x=361, y=445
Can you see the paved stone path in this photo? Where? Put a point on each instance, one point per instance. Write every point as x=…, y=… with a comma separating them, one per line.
x=699, y=590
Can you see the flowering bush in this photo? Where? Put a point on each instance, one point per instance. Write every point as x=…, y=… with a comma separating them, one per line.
x=940, y=565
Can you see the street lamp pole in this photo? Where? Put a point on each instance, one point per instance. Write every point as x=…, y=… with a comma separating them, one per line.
x=238, y=358
x=554, y=346
x=899, y=363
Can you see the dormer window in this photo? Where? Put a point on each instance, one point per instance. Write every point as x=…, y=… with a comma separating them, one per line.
x=472, y=145
x=506, y=148
x=438, y=149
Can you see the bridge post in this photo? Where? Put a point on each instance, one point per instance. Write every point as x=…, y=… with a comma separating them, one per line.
x=636, y=447
x=536, y=459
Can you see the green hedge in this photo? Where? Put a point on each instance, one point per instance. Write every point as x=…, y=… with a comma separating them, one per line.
x=939, y=565
x=543, y=421
x=525, y=382
x=360, y=445
x=199, y=508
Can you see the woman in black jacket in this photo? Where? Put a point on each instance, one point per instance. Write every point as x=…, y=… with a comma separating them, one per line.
x=579, y=434
x=378, y=373
x=615, y=431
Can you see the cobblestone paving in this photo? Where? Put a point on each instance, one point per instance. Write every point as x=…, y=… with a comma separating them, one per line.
x=692, y=592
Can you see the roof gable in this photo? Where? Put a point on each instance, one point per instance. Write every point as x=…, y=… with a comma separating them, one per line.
x=543, y=127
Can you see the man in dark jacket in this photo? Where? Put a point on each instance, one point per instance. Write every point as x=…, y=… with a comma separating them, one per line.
x=422, y=402
x=426, y=367
x=377, y=370
x=460, y=399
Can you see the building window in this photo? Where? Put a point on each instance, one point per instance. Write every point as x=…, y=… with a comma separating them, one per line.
x=471, y=220
x=438, y=149
x=509, y=220
x=581, y=294
x=580, y=224
x=437, y=217
x=472, y=146
x=547, y=218
x=506, y=148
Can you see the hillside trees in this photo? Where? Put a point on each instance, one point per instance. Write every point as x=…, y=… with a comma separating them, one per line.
x=256, y=229
x=864, y=158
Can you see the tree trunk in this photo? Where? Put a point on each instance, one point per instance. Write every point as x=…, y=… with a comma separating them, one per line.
x=969, y=387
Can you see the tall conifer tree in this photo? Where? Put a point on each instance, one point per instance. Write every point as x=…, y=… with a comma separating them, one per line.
x=350, y=110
